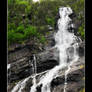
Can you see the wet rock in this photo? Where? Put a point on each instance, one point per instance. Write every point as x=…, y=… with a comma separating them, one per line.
x=71, y=87
x=51, y=41
x=39, y=88
x=81, y=49
x=57, y=81
x=47, y=60
x=19, y=69
x=23, y=67
x=72, y=15
x=28, y=85
x=18, y=54
x=75, y=82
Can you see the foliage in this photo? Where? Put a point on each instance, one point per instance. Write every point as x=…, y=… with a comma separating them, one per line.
x=43, y=39
x=81, y=31
x=81, y=66
x=21, y=34
x=27, y=19
x=14, y=37
x=30, y=32
x=50, y=21
x=20, y=29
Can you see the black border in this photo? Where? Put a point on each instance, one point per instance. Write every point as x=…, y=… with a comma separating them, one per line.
x=88, y=46
x=3, y=45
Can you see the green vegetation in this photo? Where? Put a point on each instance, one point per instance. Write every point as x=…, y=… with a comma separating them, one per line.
x=81, y=31
x=29, y=20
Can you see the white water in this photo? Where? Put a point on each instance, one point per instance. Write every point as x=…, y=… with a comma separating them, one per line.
x=20, y=85
x=33, y=88
x=8, y=66
x=35, y=0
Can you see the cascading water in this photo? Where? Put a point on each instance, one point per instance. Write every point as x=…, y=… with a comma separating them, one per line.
x=8, y=66
x=33, y=88
x=66, y=44
x=21, y=84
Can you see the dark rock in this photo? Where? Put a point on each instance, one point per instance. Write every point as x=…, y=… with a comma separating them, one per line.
x=28, y=85
x=81, y=49
x=57, y=81
x=39, y=88
x=48, y=64
x=18, y=54
x=47, y=60
x=19, y=69
x=23, y=68
x=75, y=82
x=72, y=15
x=51, y=41
x=70, y=53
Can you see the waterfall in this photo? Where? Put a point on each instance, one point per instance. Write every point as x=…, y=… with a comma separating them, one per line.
x=66, y=43
x=21, y=84
x=33, y=88
x=8, y=66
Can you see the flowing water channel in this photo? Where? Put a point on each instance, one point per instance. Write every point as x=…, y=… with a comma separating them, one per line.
x=66, y=43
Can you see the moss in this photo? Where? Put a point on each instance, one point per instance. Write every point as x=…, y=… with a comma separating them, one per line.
x=82, y=90
x=50, y=21
x=81, y=31
x=83, y=78
x=81, y=66
x=42, y=39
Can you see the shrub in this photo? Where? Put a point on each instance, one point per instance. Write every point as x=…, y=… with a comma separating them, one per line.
x=22, y=2
x=20, y=29
x=14, y=37
x=11, y=26
x=42, y=39
x=28, y=9
x=81, y=31
x=21, y=34
x=31, y=31
x=50, y=21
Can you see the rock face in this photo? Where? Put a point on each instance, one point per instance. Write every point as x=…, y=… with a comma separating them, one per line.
x=22, y=66
x=75, y=80
x=47, y=60
x=21, y=61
